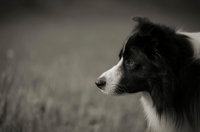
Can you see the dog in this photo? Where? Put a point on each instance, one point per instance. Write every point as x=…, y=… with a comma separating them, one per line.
x=164, y=65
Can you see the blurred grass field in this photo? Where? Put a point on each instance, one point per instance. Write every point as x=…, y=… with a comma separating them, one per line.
x=50, y=62
x=49, y=84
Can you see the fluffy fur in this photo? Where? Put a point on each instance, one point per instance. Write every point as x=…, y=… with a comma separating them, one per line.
x=164, y=65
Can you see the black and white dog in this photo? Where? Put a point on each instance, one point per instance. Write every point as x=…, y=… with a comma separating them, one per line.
x=164, y=65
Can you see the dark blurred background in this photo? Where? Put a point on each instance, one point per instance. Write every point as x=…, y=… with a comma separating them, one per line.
x=52, y=51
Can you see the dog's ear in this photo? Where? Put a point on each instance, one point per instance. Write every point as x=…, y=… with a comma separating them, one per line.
x=140, y=19
x=145, y=27
x=149, y=34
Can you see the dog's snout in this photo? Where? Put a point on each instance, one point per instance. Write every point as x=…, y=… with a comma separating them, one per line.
x=101, y=82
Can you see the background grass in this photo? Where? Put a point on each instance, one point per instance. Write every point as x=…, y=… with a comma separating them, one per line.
x=51, y=58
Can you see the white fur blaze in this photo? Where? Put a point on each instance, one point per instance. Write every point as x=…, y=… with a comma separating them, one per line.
x=113, y=77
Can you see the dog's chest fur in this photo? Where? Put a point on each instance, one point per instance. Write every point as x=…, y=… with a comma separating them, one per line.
x=156, y=124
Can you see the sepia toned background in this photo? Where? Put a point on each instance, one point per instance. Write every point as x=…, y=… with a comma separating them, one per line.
x=52, y=51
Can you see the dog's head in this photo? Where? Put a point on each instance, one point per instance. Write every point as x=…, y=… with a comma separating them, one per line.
x=148, y=61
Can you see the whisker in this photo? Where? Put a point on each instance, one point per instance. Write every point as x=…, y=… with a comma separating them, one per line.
x=118, y=91
x=119, y=88
x=122, y=86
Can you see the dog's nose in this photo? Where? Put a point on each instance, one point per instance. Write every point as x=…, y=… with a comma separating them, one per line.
x=101, y=82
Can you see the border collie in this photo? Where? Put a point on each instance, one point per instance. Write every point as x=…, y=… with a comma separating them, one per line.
x=164, y=65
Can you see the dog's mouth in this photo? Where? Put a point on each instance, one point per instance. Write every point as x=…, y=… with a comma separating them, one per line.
x=110, y=89
x=115, y=89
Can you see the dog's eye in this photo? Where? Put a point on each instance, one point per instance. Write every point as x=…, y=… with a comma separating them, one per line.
x=129, y=62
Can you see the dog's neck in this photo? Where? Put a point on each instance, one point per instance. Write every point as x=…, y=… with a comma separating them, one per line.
x=156, y=124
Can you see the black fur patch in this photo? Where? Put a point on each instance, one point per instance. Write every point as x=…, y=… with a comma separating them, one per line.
x=160, y=61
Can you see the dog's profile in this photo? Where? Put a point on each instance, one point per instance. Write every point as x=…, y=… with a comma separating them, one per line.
x=164, y=65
